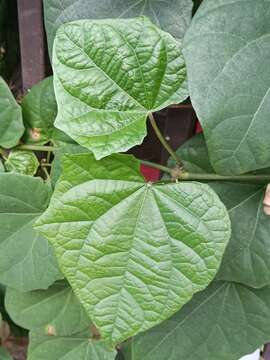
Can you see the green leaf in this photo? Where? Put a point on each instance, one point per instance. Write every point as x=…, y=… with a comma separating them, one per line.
x=27, y=261
x=246, y=259
x=11, y=124
x=4, y=355
x=134, y=253
x=22, y=162
x=2, y=167
x=104, y=107
x=62, y=149
x=55, y=311
x=171, y=15
x=39, y=112
x=80, y=346
x=224, y=322
x=229, y=81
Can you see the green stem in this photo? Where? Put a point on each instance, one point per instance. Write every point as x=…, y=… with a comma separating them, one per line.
x=36, y=147
x=186, y=176
x=156, y=166
x=163, y=140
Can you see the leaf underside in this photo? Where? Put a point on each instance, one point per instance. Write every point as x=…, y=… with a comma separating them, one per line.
x=134, y=253
x=108, y=76
x=229, y=81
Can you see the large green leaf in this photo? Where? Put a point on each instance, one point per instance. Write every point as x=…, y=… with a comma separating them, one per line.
x=106, y=86
x=134, y=253
x=224, y=322
x=55, y=311
x=246, y=259
x=229, y=81
x=11, y=124
x=27, y=261
x=80, y=346
x=171, y=15
x=22, y=162
x=39, y=112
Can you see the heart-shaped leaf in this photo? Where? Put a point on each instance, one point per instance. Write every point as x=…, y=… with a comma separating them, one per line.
x=80, y=346
x=224, y=322
x=246, y=259
x=27, y=261
x=22, y=162
x=11, y=124
x=133, y=252
x=171, y=15
x=229, y=81
x=55, y=311
x=109, y=75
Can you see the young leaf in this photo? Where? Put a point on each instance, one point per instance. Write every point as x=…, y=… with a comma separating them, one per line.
x=27, y=261
x=246, y=259
x=229, y=80
x=22, y=162
x=11, y=124
x=39, y=112
x=55, y=311
x=224, y=322
x=134, y=253
x=106, y=86
x=80, y=346
x=171, y=15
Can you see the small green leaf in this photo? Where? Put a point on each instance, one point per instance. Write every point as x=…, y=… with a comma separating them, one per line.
x=246, y=259
x=11, y=124
x=80, y=346
x=55, y=311
x=39, y=112
x=171, y=15
x=134, y=253
x=106, y=86
x=22, y=162
x=229, y=81
x=2, y=167
x=27, y=261
x=224, y=322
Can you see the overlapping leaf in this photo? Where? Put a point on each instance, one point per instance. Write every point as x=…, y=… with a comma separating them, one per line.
x=171, y=15
x=229, y=81
x=246, y=258
x=55, y=311
x=27, y=261
x=22, y=162
x=108, y=76
x=134, y=253
x=224, y=322
x=80, y=346
x=39, y=112
x=11, y=124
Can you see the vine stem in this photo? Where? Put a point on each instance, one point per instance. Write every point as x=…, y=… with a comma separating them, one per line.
x=186, y=176
x=163, y=140
x=36, y=148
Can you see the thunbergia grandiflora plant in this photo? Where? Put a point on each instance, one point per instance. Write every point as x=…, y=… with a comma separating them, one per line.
x=98, y=263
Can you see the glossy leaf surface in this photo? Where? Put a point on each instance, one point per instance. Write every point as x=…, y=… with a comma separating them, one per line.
x=134, y=253
x=55, y=311
x=246, y=259
x=229, y=81
x=79, y=346
x=171, y=15
x=27, y=261
x=11, y=124
x=106, y=86
x=224, y=322
x=22, y=162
